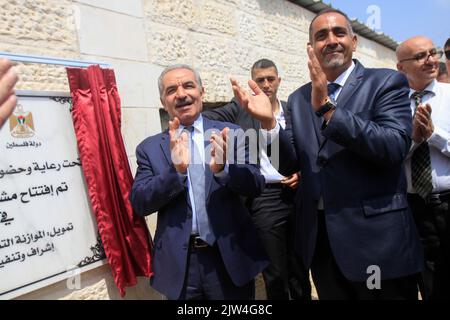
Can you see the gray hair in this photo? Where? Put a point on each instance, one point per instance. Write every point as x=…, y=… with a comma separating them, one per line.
x=175, y=67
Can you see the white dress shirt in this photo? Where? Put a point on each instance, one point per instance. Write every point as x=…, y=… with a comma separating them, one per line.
x=342, y=79
x=271, y=175
x=439, y=142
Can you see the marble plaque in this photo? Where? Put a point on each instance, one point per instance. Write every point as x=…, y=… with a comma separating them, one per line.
x=47, y=229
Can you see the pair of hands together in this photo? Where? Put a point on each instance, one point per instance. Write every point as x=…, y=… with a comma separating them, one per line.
x=179, y=146
x=8, y=100
x=258, y=104
x=423, y=126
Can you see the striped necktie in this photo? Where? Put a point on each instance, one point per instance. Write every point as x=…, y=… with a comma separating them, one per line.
x=420, y=161
x=332, y=89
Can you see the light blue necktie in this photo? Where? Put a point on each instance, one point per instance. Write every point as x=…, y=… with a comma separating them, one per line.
x=197, y=176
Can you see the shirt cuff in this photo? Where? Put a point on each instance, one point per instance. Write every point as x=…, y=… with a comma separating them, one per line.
x=223, y=173
x=440, y=140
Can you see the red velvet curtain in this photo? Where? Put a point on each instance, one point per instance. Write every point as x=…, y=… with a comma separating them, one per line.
x=97, y=121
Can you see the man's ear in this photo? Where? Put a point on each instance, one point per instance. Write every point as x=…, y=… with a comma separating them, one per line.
x=400, y=67
x=355, y=42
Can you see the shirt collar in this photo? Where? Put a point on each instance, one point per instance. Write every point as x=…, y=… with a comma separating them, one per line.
x=198, y=125
x=280, y=108
x=432, y=87
x=342, y=79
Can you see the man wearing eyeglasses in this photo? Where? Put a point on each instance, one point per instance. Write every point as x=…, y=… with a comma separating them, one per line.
x=428, y=162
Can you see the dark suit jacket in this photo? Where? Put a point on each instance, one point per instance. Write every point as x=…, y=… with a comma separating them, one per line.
x=158, y=187
x=356, y=164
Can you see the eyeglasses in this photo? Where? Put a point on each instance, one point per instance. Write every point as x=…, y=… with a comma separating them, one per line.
x=425, y=55
x=447, y=54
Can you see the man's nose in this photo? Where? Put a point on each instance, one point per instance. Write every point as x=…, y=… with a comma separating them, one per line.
x=181, y=93
x=332, y=39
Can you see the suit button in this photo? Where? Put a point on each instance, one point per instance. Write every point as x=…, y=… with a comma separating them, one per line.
x=189, y=215
x=185, y=246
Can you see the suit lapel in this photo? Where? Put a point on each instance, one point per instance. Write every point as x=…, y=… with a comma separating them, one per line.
x=284, y=106
x=165, y=146
x=353, y=82
x=349, y=89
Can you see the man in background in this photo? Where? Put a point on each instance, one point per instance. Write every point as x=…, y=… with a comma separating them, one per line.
x=272, y=212
x=443, y=73
x=428, y=162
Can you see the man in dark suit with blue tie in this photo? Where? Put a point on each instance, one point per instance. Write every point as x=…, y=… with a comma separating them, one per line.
x=205, y=245
x=348, y=132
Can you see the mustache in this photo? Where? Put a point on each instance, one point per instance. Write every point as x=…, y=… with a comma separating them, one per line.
x=184, y=102
x=332, y=49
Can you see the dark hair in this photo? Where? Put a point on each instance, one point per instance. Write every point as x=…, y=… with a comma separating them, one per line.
x=330, y=10
x=447, y=43
x=264, y=64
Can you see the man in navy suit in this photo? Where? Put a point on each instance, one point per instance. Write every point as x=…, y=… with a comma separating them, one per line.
x=205, y=245
x=348, y=132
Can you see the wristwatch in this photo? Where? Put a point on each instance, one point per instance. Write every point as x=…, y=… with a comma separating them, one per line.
x=327, y=106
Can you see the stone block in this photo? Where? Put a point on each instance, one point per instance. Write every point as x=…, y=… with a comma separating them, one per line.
x=130, y=7
x=168, y=45
x=181, y=14
x=137, y=82
x=217, y=18
x=138, y=124
x=39, y=23
x=109, y=34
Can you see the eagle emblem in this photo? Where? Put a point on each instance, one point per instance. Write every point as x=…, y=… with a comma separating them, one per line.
x=21, y=123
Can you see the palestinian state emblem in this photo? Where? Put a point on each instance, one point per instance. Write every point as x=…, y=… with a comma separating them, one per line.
x=21, y=123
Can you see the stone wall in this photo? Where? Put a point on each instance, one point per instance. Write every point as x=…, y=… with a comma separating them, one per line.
x=138, y=38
